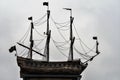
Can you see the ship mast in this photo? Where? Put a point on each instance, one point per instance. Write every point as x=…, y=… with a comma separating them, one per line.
x=31, y=37
x=71, y=35
x=48, y=32
x=31, y=42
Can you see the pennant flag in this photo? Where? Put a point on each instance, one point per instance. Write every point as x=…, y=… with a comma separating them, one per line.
x=67, y=8
x=91, y=58
x=45, y=3
x=95, y=37
x=13, y=48
x=29, y=18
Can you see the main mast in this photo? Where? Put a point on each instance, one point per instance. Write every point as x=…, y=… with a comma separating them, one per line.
x=48, y=32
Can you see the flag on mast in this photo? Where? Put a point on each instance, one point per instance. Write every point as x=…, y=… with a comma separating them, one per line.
x=30, y=18
x=13, y=48
x=45, y=3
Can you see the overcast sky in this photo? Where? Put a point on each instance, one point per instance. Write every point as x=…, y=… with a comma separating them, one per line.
x=92, y=17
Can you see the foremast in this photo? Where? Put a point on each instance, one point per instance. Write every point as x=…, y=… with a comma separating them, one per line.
x=31, y=41
x=31, y=37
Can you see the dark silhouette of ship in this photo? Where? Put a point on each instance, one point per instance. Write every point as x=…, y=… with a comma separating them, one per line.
x=30, y=66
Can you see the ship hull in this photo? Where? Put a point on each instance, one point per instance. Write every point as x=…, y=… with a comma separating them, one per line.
x=28, y=66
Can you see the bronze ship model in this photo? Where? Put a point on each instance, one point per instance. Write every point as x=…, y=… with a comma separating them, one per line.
x=72, y=66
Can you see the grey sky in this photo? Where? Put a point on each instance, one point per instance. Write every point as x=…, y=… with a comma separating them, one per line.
x=92, y=17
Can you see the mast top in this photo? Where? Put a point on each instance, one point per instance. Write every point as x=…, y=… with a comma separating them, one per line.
x=69, y=10
x=30, y=18
x=46, y=4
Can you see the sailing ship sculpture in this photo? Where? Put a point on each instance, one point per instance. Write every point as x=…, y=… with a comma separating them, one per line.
x=71, y=67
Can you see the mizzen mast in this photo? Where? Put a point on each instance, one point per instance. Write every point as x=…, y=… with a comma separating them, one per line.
x=71, y=35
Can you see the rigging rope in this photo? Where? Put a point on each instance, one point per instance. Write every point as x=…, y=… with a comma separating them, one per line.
x=79, y=38
x=82, y=55
x=39, y=33
x=40, y=42
x=61, y=46
x=38, y=21
x=58, y=29
x=92, y=49
x=22, y=52
x=37, y=24
x=59, y=49
x=35, y=46
x=81, y=42
x=62, y=43
x=60, y=23
x=25, y=36
x=62, y=26
x=63, y=29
